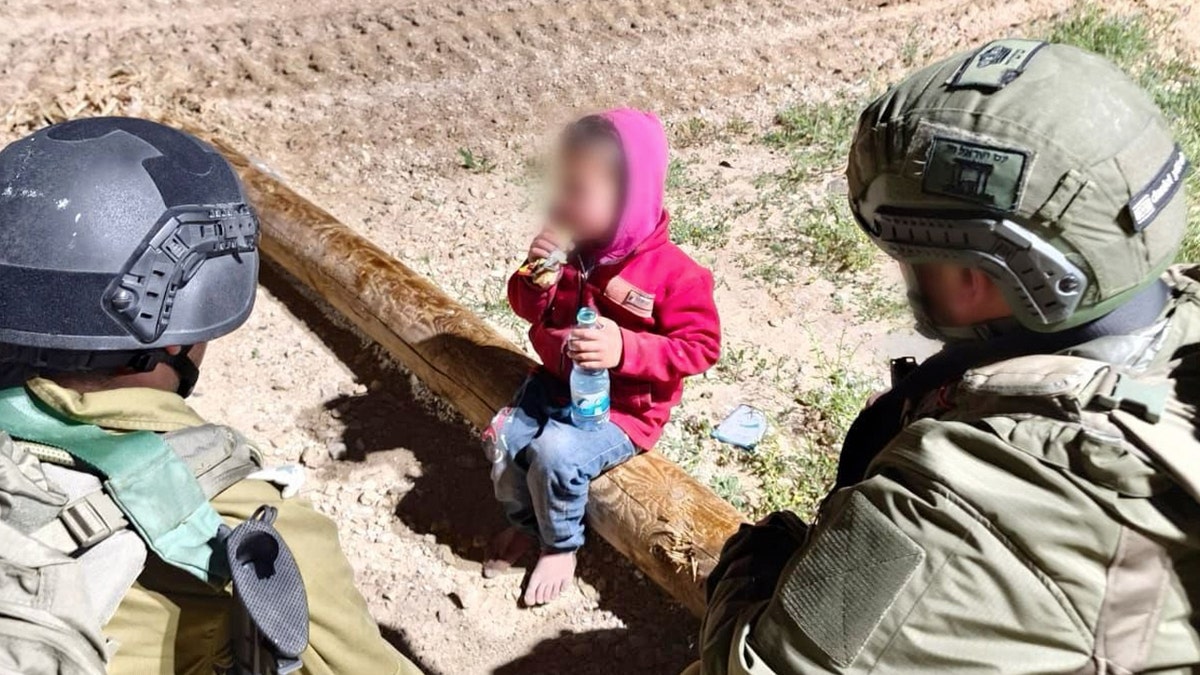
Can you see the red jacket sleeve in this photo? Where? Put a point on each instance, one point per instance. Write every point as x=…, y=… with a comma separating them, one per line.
x=528, y=300
x=550, y=343
x=687, y=340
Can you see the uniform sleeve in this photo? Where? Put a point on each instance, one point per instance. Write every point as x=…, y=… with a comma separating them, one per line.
x=688, y=338
x=527, y=300
x=898, y=575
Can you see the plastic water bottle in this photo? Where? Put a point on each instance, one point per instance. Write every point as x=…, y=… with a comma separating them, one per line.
x=589, y=388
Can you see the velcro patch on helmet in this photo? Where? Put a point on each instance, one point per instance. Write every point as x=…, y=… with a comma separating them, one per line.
x=985, y=174
x=996, y=64
x=1147, y=204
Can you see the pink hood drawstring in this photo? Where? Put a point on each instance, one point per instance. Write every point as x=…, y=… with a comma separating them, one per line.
x=644, y=142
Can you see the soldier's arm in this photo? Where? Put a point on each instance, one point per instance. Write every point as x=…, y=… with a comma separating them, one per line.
x=898, y=575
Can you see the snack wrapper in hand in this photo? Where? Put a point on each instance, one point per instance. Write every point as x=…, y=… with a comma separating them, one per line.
x=544, y=271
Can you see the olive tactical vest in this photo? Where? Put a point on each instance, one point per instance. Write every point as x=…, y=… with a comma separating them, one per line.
x=68, y=554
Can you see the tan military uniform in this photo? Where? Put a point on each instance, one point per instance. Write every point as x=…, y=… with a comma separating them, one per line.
x=171, y=623
x=1048, y=522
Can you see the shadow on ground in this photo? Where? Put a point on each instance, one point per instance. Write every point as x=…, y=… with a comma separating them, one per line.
x=452, y=500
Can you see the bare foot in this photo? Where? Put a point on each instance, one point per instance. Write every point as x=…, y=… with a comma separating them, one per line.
x=505, y=550
x=550, y=578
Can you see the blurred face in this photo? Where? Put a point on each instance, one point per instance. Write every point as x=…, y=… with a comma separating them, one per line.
x=587, y=195
x=957, y=296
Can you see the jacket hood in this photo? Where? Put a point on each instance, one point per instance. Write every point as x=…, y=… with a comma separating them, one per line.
x=644, y=143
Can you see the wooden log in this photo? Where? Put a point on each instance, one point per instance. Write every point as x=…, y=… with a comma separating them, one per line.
x=649, y=509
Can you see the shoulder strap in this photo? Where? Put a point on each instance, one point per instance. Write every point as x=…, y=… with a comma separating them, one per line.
x=218, y=456
x=151, y=485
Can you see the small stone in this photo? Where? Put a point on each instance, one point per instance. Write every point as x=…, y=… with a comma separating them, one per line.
x=313, y=457
x=336, y=449
x=467, y=597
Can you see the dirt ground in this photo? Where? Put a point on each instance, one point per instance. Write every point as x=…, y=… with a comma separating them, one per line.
x=364, y=107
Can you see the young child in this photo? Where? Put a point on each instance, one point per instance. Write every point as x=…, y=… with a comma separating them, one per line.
x=658, y=324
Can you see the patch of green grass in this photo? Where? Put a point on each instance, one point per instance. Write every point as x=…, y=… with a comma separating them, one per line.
x=1129, y=40
x=824, y=236
x=695, y=220
x=475, y=162
x=816, y=134
x=682, y=183
x=738, y=126
x=880, y=301
x=700, y=227
x=1125, y=40
x=796, y=477
x=697, y=131
x=693, y=131
x=728, y=486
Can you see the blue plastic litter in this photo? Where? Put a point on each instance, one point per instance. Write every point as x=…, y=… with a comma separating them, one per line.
x=743, y=428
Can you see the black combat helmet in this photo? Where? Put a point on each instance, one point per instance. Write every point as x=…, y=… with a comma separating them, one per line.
x=120, y=237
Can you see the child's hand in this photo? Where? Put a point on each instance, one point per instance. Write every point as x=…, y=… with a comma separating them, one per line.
x=543, y=245
x=596, y=348
x=547, y=242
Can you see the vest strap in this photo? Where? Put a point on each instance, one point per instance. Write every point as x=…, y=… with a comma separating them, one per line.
x=154, y=489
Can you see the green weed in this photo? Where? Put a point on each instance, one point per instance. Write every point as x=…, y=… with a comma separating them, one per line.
x=824, y=236
x=475, y=162
x=797, y=477
x=692, y=132
x=697, y=131
x=699, y=227
x=729, y=487
x=1125, y=40
x=816, y=134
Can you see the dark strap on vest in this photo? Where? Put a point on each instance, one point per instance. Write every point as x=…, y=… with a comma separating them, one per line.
x=878, y=424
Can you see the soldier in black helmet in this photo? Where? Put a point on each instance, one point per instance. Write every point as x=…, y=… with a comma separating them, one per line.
x=137, y=541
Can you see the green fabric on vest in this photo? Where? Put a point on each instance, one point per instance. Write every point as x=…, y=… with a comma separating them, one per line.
x=153, y=487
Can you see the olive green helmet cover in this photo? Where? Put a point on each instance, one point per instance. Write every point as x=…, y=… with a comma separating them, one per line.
x=1033, y=161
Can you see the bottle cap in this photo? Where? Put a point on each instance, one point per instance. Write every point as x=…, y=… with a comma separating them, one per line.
x=586, y=316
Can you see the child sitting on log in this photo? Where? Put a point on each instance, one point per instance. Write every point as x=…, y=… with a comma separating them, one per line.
x=658, y=324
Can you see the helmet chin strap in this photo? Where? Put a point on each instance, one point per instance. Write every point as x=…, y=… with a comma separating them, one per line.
x=185, y=368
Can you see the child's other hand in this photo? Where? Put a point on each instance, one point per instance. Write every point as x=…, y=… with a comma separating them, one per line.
x=596, y=348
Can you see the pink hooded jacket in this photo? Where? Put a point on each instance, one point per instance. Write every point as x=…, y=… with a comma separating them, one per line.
x=658, y=295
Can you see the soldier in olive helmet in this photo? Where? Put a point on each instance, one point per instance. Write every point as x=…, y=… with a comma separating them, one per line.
x=1028, y=499
x=134, y=536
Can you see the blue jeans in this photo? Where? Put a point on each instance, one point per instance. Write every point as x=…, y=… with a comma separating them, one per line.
x=542, y=465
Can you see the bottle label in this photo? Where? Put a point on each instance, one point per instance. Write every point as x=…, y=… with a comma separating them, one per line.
x=592, y=405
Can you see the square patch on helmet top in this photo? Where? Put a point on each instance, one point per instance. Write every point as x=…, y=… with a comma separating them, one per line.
x=975, y=172
x=848, y=578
